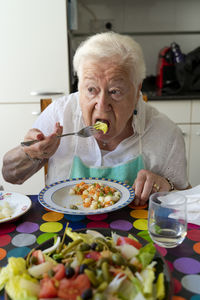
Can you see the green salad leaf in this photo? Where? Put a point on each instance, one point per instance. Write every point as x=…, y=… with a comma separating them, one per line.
x=16, y=266
x=18, y=283
x=146, y=254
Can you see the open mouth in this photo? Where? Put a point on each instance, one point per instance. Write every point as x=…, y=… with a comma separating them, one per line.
x=104, y=121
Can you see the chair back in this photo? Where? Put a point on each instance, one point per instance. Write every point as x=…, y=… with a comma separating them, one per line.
x=43, y=104
x=145, y=97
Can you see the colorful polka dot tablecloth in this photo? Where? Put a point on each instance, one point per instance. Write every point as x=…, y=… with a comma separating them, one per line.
x=17, y=238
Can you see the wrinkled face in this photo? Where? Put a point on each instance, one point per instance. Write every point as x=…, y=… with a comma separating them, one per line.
x=107, y=94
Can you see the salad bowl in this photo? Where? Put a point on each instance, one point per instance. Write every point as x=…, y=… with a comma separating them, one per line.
x=160, y=267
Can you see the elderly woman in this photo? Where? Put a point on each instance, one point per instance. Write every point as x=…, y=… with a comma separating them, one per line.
x=142, y=147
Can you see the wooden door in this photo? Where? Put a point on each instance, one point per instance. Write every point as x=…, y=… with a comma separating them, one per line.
x=43, y=104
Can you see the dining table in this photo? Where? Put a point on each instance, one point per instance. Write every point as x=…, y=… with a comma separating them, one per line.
x=38, y=224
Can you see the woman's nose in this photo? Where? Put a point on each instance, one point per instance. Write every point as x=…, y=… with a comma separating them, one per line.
x=103, y=102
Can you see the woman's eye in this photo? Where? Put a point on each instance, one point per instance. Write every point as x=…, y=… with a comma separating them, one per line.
x=91, y=90
x=115, y=92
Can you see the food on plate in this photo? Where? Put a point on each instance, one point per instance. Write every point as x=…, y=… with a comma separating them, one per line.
x=90, y=266
x=5, y=210
x=101, y=126
x=95, y=195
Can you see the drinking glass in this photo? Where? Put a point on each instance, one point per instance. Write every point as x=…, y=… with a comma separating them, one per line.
x=167, y=218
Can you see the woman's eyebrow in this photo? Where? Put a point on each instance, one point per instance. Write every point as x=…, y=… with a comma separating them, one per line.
x=89, y=78
x=117, y=80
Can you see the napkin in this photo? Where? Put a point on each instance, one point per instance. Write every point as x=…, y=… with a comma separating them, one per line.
x=193, y=204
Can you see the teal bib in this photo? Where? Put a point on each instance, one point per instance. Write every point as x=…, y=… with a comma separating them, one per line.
x=126, y=172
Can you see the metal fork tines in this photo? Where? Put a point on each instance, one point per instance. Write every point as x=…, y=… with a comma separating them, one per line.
x=84, y=132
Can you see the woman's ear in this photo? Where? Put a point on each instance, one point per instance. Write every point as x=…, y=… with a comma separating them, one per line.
x=138, y=91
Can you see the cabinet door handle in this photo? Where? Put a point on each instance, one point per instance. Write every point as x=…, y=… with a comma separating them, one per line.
x=46, y=93
x=184, y=133
x=35, y=113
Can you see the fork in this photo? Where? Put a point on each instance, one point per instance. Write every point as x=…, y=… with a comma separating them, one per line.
x=84, y=132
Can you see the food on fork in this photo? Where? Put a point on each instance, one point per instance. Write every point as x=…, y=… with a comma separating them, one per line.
x=95, y=195
x=101, y=126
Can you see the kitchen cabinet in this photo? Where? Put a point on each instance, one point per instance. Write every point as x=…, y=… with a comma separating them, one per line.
x=33, y=57
x=195, y=111
x=34, y=48
x=186, y=114
x=194, y=161
x=16, y=119
x=177, y=110
x=186, y=134
x=179, y=113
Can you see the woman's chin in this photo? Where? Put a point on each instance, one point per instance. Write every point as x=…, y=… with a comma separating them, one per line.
x=101, y=137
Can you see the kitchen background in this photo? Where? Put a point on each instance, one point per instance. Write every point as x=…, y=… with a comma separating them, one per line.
x=38, y=40
x=154, y=24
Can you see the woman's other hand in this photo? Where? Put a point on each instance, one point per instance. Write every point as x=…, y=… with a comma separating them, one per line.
x=148, y=183
x=46, y=146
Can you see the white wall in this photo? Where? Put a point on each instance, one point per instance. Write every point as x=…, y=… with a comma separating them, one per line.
x=143, y=16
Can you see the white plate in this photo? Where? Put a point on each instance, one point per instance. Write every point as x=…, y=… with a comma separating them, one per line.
x=18, y=203
x=56, y=196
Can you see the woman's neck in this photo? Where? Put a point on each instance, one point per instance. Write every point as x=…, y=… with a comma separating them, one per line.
x=112, y=144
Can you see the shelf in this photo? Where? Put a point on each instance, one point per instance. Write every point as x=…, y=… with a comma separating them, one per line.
x=144, y=33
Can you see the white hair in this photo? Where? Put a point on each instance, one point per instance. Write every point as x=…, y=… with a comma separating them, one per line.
x=122, y=48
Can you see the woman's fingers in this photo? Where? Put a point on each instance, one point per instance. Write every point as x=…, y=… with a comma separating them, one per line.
x=147, y=183
x=57, y=129
x=147, y=189
x=138, y=187
x=47, y=145
x=40, y=136
x=34, y=134
x=53, y=141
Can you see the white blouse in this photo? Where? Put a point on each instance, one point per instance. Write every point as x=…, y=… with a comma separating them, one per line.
x=162, y=144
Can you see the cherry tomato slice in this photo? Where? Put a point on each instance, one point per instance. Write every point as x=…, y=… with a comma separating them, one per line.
x=126, y=240
x=70, y=289
x=94, y=255
x=47, y=288
x=59, y=271
x=39, y=256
